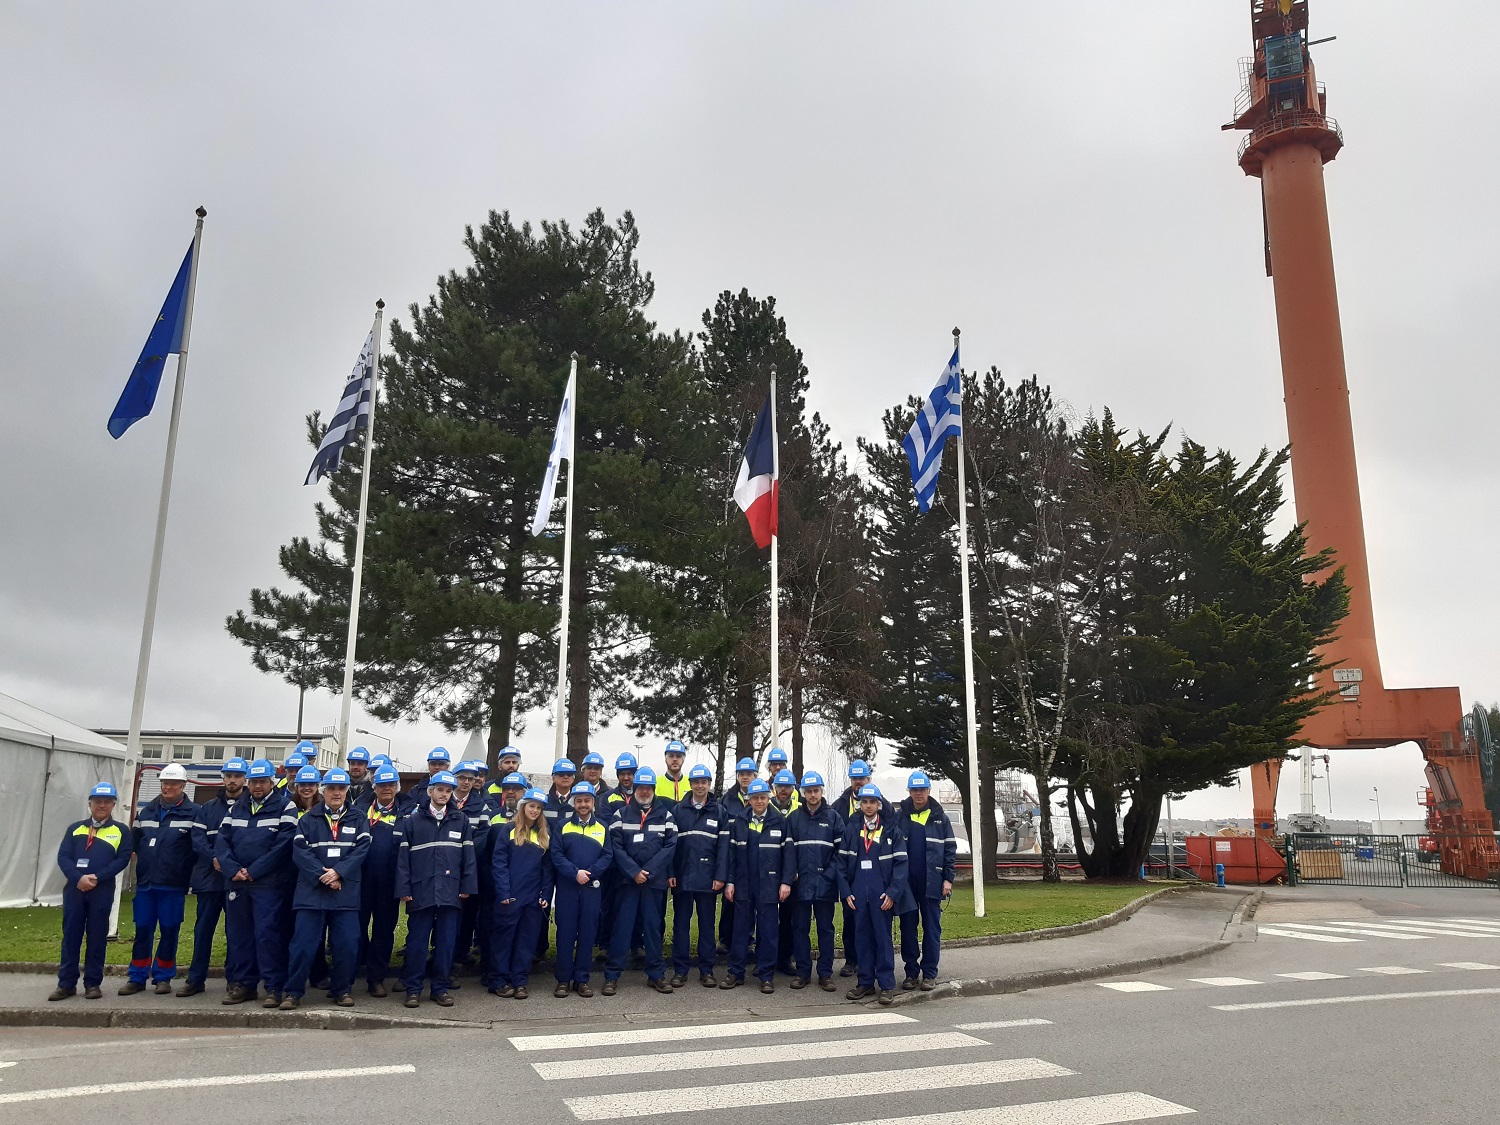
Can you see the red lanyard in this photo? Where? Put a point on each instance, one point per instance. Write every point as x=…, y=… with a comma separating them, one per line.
x=868, y=839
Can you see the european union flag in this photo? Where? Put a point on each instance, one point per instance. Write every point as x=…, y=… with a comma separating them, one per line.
x=139, y=395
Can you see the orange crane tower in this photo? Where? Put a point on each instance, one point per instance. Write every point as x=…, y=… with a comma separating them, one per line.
x=1291, y=137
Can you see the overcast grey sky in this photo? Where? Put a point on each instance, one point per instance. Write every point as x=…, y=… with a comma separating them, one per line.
x=1049, y=177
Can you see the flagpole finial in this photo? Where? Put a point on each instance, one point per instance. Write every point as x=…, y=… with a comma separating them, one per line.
x=380, y=302
x=201, y=213
x=955, y=335
x=575, y=355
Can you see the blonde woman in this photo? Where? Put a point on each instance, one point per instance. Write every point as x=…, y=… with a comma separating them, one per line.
x=523, y=889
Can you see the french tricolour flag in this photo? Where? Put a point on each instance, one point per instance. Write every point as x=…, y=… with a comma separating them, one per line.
x=755, y=487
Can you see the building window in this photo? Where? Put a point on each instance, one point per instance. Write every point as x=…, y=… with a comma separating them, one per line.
x=274, y=753
x=246, y=752
x=213, y=753
x=151, y=750
x=181, y=753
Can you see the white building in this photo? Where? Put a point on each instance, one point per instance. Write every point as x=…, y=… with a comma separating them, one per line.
x=212, y=748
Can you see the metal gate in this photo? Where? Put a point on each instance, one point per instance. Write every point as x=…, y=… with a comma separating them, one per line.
x=1369, y=860
x=1431, y=859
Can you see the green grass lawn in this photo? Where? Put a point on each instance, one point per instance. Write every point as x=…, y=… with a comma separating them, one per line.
x=32, y=933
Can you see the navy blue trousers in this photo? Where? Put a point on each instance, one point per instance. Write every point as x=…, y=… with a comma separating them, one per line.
x=684, y=904
x=241, y=966
x=307, y=943
x=434, y=928
x=268, y=925
x=922, y=960
x=808, y=913
x=872, y=940
x=764, y=919
x=578, y=910
x=210, y=909
x=643, y=904
x=513, y=943
x=153, y=909
x=379, y=911
x=85, y=920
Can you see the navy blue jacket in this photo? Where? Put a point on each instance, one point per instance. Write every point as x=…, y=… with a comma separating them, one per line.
x=556, y=808
x=477, y=809
x=378, y=874
x=816, y=838
x=846, y=804
x=435, y=863
x=760, y=860
x=644, y=840
x=257, y=835
x=697, y=860
x=315, y=847
x=931, y=848
x=104, y=857
x=577, y=846
x=886, y=873
x=522, y=871
x=205, y=835
x=163, y=843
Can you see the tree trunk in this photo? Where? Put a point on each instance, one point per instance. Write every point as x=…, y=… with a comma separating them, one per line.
x=578, y=669
x=1141, y=821
x=1050, y=873
x=502, y=699
x=721, y=733
x=744, y=716
x=797, y=728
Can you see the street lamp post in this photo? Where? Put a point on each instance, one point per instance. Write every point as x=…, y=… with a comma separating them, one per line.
x=1376, y=799
x=383, y=738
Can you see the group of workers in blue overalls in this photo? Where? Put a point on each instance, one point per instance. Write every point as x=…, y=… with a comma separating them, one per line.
x=309, y=871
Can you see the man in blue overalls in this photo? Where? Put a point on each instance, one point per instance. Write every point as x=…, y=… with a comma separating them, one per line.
x=254, y=850
x=695, y=882
x=644, y=838
x=93, y=853
x=581, y=857
x=379, y=908
x=931, y=852
x=757, y=879
x=817, y=831
x=163, y=871
x=873, y=885
x=435, y=873
x=208, y=883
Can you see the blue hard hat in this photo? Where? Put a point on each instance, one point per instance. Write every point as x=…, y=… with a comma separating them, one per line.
x=700, y=771
x=776, y=755
x=625, y=762
x=358, y=754
x=308, y=774
x=443, y=777
x=583, y=789
x=645, y=776
x=869, y=791
x=235, y=765
x=745, y=765
x=381, y=760
x=481, y=765
x=918, y=780
x=307, y=748
x=757, y=786
x=261, y=768
x=513, y=780
x=439, y=754
x=859, y=768
x=811, y=778
x=564, y=765
x=104, y=789
x=593, y=759
x=385, y=775
x=675, y=747
x=534, y=795
x=467, y=767
x=509, y=752
x=336, y=776
x=294, y=762
x=784, y=777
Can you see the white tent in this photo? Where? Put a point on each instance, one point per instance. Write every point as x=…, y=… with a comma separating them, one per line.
x=47, y=767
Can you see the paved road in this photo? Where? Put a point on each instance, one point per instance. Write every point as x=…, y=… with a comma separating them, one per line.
x=1395, y=1024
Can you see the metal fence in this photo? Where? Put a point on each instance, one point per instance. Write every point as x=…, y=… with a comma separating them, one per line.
x=1369, y=860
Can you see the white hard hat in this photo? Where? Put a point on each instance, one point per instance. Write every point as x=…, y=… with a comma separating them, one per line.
x=174, y=772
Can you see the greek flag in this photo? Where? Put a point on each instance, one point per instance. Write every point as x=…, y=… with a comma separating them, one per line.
x=351, y=418
x=940, y=416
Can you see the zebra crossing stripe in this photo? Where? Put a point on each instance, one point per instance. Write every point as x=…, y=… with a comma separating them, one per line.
x=990, y=1025
x=667, y=1062
x=738, y=1095
x=1487, y=923
x=1313, y=976
x=1432, y=928
x=681, y=1032
x=1466, y=965
x=1342, y=928
x=1392, y=970
x=1276, y=932
x=1101, y=1109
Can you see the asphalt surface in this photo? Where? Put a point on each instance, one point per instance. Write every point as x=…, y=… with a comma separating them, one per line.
x=1386, y=1013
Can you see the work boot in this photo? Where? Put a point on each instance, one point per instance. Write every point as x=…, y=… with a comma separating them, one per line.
x=584, y=990
x=290, y=1004
x=413, y=999
x=443, y=1000
x=507, y=991
x=887, y=997
x=164, y=988
x=731, y=982
x=344, y=1000
x=272, y=1000
x=521, y=993
x=661, y=986
x=826, y=984
x=801, y=982
x=130, y=988
x=237, y=994
x=190, y=989
x=849, y=969
x=610, y=988
x=767, y=987
x=908, y=984
x=679, y=979
x=561, y=991
x=61, y=993
x=928, y=984
x=377, y=989
x=93, y=992
x=858, y=992
x=707, y=980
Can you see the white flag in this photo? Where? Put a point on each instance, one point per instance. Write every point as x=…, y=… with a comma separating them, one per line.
x=562, y=447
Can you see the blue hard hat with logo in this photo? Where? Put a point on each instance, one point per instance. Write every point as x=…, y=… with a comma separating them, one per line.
x=336, y=776
x=777, y=755
x=675, y=747
x=443, y=777
x=700, y=771
x=645, y=776
x=583, y=789
x=510, y=752
x=757, y=786
x=261, y=768
x=294, y=762
x=869, y=791
x=784, y=777
x=467, y=767
x=235, y=765
x=307, y=748
x=859, y=768
x=534, y=795
x=811, y=778
x=381, y=760
x=308, y=775
x=564, y=765
x=745, y=765
x=513, y=781
x=625, y=762
x=104, y=789
x=439, y=754
x=593, y=759
x=358, y=754
x=481, y=765
x=387, y=775
x=918, y=780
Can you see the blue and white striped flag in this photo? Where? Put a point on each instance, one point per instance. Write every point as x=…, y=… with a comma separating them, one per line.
x=939, y=417
x=351, y=418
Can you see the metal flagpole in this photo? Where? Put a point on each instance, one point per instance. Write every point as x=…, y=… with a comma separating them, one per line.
x=359, y=535
x=560, y=747
x=977, y=815
x=153, y=586
x=775, y=574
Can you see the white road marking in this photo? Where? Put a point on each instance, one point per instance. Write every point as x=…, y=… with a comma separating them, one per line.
x=1466, y=965
x=1102, y=1109
x=705, y=1031
x=1341, y=928
x=1391, y=970
x=991, y=1025
x=1436, y=994
x=1305, y=937
x=1490, y=923
x=1225, y=982
x=1132, y=986
x=191, y=1083
x=749, y=1056
x=1313, y=976
x=736, y=1095
x=1432, y=928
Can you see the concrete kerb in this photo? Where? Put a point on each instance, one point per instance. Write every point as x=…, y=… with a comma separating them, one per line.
x=1103, y=922
x=310, y=1020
